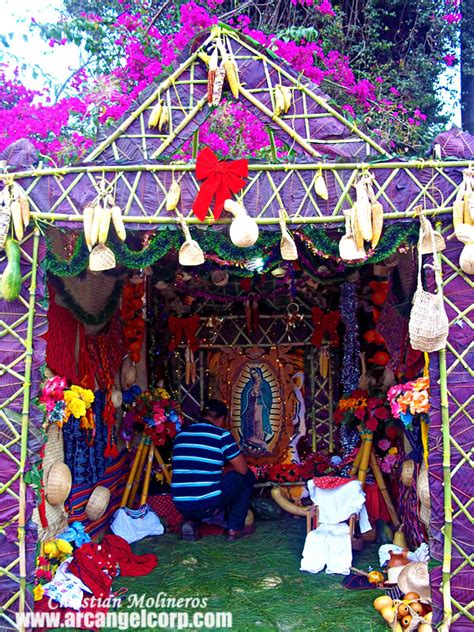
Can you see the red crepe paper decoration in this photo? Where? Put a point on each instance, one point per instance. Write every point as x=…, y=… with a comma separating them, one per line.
x=222, y=179
x=325, y=324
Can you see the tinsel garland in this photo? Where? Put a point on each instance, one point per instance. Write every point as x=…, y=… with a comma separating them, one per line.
x=351, y=345
x=85, y=317
x=314, y=243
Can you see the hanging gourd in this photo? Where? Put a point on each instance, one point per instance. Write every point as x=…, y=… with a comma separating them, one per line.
x=244, y=229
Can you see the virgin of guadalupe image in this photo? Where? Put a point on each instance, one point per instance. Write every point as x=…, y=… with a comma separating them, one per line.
x=256, y=402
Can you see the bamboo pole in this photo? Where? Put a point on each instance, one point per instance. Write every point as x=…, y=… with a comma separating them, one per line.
x=25, y=417
x=133, y=472
x=366, y=447
x=355, y=465
x=330, y=404
x=394, y=517
x=146, y=480
x=305, y=166
x=262, y=221
x=136, y=480
x=164, y=467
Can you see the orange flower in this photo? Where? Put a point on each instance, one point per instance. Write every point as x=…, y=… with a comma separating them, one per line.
x=421, y=384
x=405, y=401
x=421, y=402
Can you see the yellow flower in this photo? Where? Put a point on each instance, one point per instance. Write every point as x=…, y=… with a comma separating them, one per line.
x=88, y=396
x=64, y=546
x=393, y=451
x=77, y=408
x=50, y=549
x=38, y=592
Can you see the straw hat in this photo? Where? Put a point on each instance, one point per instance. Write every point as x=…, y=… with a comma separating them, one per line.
x=101, y=258
x=97, y=503
x=58, y=483
x=415, y=577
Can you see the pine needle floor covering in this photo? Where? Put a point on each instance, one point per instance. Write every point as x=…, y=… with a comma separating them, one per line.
x=258, y=581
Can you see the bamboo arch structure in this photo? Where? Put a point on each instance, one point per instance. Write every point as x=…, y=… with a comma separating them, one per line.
x=137, y=165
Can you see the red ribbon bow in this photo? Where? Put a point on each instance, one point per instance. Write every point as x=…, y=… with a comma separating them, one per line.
x=187, y=326
x=222, y=180
x=325, y=324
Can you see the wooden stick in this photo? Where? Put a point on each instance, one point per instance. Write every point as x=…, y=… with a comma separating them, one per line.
x=163, y=466
x=146, y=480
x=133, y=471
x=136, y=481
x=383, y=490
x=355, y=465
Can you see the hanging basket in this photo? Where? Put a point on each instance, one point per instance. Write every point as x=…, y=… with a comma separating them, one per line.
x=97, y=503
x=58, y=484
x=429, y=324
x=408, y=470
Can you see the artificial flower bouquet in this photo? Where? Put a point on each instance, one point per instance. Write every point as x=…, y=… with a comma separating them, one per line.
x=62, y=402
x=365, y=409
x=410, y=399
x=157, y=412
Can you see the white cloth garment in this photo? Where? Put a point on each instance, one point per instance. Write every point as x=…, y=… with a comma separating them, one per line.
x=338, y=504
x=65, y=588
x=329, y=545
x=134, y=524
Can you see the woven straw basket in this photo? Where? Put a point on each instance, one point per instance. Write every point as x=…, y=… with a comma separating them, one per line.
x=429, y=324
x=416, y=619
x=97, y=503
x=415, y=577
x=101, y=258
x=190, y=253
x=58, y=484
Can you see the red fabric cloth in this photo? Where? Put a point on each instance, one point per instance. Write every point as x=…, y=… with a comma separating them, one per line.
x=130, y=564
x=95, y=567
x=331, y=482
x=164, y=507
x=375, y=504
x=61, y=340
x=222, y=180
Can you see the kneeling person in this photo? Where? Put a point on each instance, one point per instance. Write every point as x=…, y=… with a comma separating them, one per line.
x=199, y=486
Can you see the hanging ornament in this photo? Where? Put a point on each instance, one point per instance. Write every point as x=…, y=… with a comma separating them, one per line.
x=351, y=347
x=288, y=248
x=244, y=229
x=214, y=324
x=348, y=248
x=293, y=317
x=190, y=253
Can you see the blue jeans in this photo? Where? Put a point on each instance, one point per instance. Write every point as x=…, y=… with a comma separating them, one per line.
x=235, y=499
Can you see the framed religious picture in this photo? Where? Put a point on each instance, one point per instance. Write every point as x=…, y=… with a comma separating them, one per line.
x=258, y=386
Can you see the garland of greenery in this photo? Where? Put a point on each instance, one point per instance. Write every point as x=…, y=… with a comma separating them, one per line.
x=315, y=242
x=80, y=313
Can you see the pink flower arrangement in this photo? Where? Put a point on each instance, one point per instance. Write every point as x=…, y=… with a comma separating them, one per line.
x=53, y=392
x=407, y=400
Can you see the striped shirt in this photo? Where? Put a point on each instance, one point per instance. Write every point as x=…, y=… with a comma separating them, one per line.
x=199, y=453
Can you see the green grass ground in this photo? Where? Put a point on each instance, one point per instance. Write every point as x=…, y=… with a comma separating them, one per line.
x=257, y=579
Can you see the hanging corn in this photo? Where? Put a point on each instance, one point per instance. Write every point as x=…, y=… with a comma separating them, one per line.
x=364, y=214
x=87, y=216
x=173, y=196
x=232, y=73
x=5, y=216
x=218, y=85
x=279, y=100
x=117, y=221
x=458, y=204
x=320, y=186
x=211, y=74
x=376, y=210
x=155, y=114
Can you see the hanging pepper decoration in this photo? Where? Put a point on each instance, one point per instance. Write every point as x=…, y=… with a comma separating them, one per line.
x=132, y=318
x=187, y=328
x=325, y=324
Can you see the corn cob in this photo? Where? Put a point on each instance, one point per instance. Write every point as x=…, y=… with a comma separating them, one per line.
x=164, y=117
x=468, y=199
x=20, y=195
x=211, y=74
x=323, y=363
x=97, y=211
x=377, y=222
x=232, y=73
x=458, y=212
x=363, y=210
x=173, y=196
x=117, y=221
x=355, y=227
x=87, y=215
x=218, y=85
x=5, y=217
x=104, y=224
x=17, y=219
x=320, y=186
x=287, y=97
x=155, y=114
x=279, y=100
